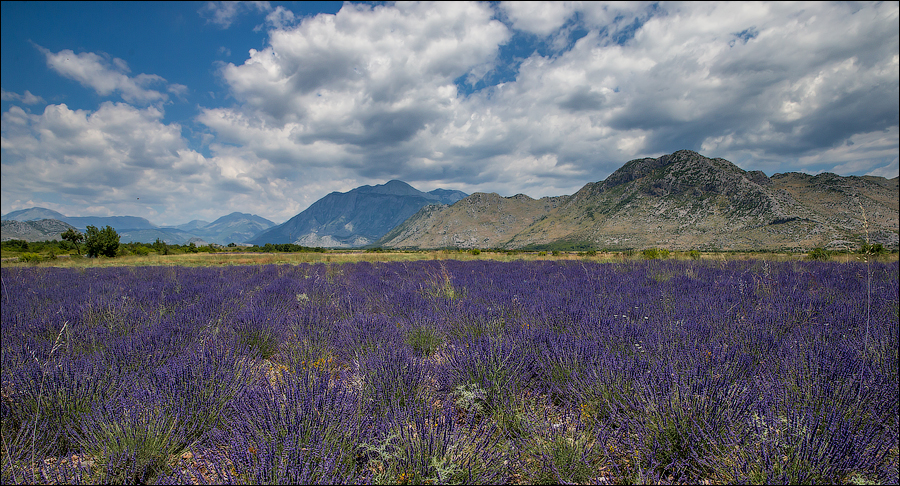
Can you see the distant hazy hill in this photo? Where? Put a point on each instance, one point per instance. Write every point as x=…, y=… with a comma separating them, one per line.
x=38, y=230
x=235, y=227
x=678, y=201
x=32, y=214
x=195, y=224
x=172, y=236
x=119, y=223
x=355, y=218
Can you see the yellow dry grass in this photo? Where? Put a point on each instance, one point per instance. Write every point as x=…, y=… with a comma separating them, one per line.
x=351, y=256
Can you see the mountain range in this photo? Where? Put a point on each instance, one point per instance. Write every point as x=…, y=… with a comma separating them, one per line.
x=682, y=200
x=341, y=219
x=355, y=218
x=235, y=227
x=678, y=201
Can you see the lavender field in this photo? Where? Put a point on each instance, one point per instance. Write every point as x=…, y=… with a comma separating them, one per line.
x=435, y=372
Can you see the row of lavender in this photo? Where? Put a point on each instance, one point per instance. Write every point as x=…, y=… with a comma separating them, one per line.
x=451, y=372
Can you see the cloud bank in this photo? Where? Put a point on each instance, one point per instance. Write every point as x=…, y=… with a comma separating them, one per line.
x=535, y=98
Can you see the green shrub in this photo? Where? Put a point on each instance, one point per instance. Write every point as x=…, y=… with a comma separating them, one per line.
x=695, y=254
x=876, y=249
x=818, y=254
x=15, y=245
x=475, y=251
x=655, y=253
x=29, y=257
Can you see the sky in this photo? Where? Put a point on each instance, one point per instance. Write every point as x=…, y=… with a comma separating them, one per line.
x=176, y=111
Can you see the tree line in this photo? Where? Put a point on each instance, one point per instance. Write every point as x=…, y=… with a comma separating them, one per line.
x=95, y=242
x=105, y=242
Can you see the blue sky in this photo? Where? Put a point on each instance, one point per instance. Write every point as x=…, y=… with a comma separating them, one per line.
x=177, y=111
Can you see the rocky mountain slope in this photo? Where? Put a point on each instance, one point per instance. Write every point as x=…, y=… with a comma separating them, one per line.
x=476, y=221
x=355, y=218
x=81, y=222
x=678, y=201
x=37, y=230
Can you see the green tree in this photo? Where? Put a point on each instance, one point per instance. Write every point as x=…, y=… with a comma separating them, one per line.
x=101, y=242
x=160, y=247
x=75, y=237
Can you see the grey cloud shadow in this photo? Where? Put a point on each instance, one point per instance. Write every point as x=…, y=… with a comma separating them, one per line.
x=380, y=129
x=582, y=99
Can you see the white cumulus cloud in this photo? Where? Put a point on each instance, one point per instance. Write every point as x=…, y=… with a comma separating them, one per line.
x=26, y=97
x=107, y=76
x=535, y=98
x=383, y=92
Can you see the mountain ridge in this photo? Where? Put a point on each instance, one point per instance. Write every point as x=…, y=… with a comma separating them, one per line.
x=354, y=218
x=681, y=200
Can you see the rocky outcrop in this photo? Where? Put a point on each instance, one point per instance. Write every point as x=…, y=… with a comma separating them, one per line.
x=39, y=230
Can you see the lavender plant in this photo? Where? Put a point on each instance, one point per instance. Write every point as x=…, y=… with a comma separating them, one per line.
x=548, y=371
x=425, y=445
x=301, y=428
x=130, y=437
